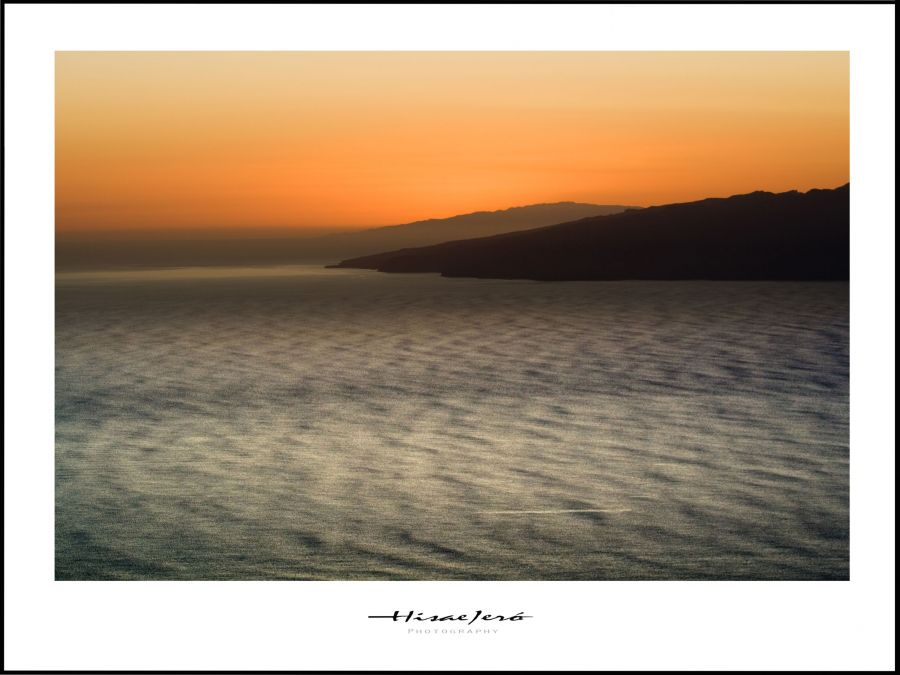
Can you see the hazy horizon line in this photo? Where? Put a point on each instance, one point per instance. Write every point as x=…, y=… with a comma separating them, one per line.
x=315, y=231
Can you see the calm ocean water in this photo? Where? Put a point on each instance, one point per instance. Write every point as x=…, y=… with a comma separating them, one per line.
x=303, y=423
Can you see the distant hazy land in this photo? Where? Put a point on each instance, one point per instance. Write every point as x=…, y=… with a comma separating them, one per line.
x=168, y=248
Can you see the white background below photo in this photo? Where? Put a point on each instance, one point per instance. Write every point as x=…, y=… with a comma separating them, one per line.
x=324, y=625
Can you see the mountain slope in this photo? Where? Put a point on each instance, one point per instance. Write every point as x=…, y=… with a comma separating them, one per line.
x=791, y=235
x=466, y=226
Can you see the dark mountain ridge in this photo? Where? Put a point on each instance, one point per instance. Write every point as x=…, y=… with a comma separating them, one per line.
x=761, y=235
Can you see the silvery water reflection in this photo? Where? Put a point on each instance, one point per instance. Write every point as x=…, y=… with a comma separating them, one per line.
x=302, y=423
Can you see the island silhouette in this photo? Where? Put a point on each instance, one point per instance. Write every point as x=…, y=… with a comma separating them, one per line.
x=757, y=236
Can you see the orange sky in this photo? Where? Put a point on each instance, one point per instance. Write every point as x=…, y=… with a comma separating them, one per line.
x=150, y=140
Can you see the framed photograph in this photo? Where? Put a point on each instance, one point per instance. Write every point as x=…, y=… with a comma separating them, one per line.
x=383, y=337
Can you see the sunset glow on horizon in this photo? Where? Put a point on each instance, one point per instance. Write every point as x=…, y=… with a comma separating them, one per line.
x=168, y=140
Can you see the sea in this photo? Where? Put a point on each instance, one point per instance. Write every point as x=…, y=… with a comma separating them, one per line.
x=306, y=423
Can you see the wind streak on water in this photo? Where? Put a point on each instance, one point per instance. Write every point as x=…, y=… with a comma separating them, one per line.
x=564, y=511
x=330, y=424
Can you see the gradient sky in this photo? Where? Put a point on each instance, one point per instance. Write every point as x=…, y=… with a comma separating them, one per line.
x=167, y=140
